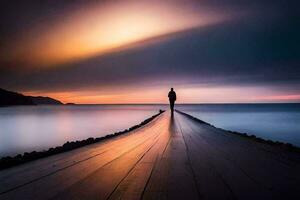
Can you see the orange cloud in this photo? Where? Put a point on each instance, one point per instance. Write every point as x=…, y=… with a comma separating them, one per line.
x=97, y=29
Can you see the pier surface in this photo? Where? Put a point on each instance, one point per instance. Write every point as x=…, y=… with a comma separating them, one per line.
x=169, y=158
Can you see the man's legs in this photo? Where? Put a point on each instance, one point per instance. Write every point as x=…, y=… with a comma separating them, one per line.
x=172, y=106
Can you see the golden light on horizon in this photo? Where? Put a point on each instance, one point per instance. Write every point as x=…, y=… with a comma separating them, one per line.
x=185, y=94
x=101, y=28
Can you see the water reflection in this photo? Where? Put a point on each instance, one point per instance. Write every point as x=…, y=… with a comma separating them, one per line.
x=172, y=123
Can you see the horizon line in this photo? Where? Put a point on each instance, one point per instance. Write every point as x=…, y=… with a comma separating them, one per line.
x=180, y=103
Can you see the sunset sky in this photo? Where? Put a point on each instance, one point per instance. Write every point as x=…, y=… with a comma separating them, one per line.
x=133, y=51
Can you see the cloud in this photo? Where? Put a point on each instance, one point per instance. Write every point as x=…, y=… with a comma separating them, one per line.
x=259, y=49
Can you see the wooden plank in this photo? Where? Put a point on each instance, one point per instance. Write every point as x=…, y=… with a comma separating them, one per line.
x=249, y=172
x=172, y=177
x=133, y=185
x=102, y=182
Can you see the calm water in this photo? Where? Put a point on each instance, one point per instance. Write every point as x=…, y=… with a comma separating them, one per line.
x=26, y=128
x=278, y=122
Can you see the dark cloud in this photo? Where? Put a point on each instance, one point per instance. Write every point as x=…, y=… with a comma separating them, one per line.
x=259, y=49
x=19, y=16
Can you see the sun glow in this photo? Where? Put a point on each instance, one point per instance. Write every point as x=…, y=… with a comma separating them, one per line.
x=99, y=29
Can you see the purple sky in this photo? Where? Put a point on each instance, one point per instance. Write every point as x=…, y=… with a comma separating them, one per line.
x=134, y=51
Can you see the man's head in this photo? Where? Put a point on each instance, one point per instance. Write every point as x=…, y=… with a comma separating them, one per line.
x=172, y=89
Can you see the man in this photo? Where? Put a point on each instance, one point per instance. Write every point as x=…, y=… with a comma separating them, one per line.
x=172, y=99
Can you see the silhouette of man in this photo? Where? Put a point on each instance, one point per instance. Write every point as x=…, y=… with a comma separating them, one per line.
x=172, y=99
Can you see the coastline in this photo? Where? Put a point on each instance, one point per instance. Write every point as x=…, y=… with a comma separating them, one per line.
x=282, y=145
x=9, y=161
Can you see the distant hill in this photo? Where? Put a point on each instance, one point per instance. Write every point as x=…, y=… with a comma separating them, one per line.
x=45, y=101
x=9, y=98
x=70, y=104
